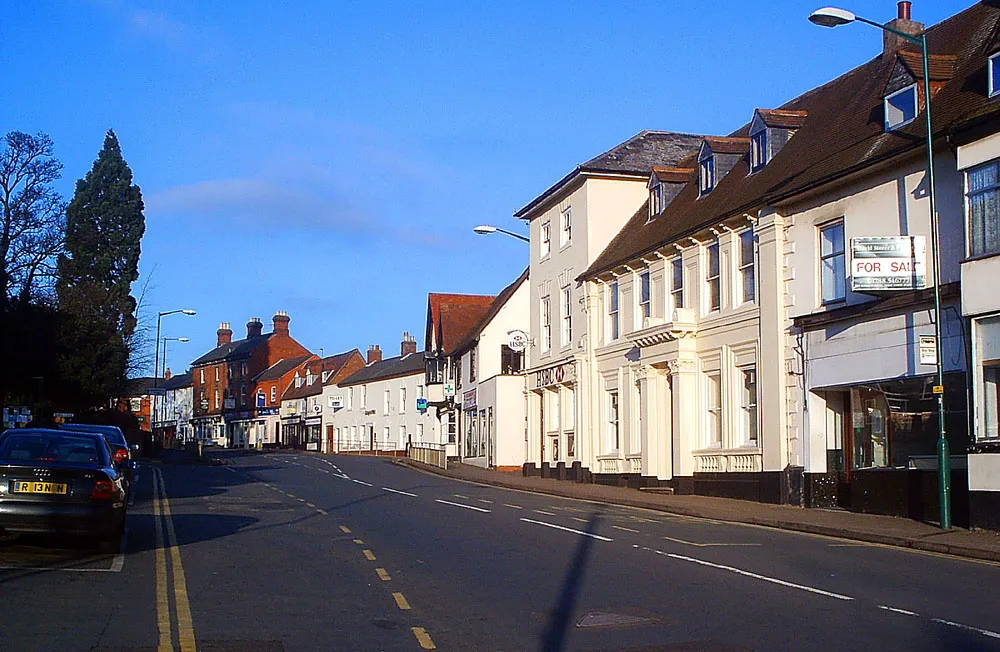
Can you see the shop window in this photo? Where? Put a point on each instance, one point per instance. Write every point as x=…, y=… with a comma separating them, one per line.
x=988, y=377
x=983, y=208
x=452, y=427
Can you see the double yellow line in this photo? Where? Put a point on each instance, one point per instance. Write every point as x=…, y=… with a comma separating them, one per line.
x=164, y=545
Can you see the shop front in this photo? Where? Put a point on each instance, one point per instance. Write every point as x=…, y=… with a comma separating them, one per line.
x=552, y=423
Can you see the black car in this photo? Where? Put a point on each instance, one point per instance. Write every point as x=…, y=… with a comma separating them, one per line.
x=61, y=482
x=120, y=450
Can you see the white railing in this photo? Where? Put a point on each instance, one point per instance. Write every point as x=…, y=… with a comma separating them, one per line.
x=433, y=454
x=634, y=463
x=729, y=461
x=356, y=446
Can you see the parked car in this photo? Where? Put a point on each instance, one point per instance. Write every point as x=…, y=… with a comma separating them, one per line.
x=61, y=482
x=120, y=448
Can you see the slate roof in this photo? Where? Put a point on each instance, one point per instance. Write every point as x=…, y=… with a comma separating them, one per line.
x=280, y=368
x=451, y=316
x=399, y=366
x=238, y=349
x=636, y=156
x=314, y=367
x=843, y=133
x=498, y=303
x=179, y=381
x=782, y=119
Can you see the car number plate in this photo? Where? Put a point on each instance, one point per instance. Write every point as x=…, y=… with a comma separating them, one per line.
x=22, y=487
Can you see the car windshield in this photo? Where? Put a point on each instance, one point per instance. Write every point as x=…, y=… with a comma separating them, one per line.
x=50, y=448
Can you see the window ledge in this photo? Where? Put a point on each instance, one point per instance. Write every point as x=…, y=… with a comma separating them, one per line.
x=978, y=257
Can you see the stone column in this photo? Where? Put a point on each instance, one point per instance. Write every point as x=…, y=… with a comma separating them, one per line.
x=771, y=373
x=686, y=424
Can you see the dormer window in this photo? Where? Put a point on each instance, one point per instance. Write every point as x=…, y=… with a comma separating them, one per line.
x=994, y=75
x=901, y=107
x=758, y=150
x=655, y=201
x=706, y=174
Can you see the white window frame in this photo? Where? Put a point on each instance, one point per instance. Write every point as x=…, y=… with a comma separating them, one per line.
x=993, y=87
x=749, y=407
x=655, y=201
x=887, y=102
x=566, y=227
x=545, y=241
x=748, y=267
x=385, y=401
x=645, y=295
x=613, y=422
x=758, y=150
x=566, y=320
x=713, y=409
x=676, y=289
x=473, y=363
x=839, y=269
x=713, y=281
x=706, y=174
x=984, y=249
x=546, y=321
x=612, y=299
x=350, y=398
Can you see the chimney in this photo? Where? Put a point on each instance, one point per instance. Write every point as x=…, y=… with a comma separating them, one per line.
x=408, y=345
x=254, y=327
x=374, y=354
x=280, y=321
x=225, y=333
x=892, y=42
x=167, y=374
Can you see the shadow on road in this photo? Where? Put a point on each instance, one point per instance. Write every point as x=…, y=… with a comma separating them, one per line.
x=558, y=626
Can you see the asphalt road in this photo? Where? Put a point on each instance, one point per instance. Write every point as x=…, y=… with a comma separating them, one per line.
x=290, y=551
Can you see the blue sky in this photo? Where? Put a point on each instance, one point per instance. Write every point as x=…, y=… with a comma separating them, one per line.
x=330, y=159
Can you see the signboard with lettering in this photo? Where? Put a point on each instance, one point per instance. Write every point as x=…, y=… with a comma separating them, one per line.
x=888, y=263
x=564, y=373
x=517, y=340
x=928, y=349
x=261, y=399
x=469, y=400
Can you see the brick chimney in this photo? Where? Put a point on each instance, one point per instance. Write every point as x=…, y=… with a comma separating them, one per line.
x=408, y=345
x=280, y=321
x=374, y=354
x=225, y=333
x=892, y=42
x=254, y=327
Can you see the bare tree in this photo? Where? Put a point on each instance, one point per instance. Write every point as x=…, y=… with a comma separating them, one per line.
x=34, y=217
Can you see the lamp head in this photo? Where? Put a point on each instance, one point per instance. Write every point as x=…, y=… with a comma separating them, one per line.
x=831, y=17
x=189, y=312
x=183, y=339
x=485, y=229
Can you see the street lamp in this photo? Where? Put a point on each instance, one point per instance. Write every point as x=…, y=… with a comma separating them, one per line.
x=165, y=367
x=156, y=354
x=833, y=17
x=486, y=229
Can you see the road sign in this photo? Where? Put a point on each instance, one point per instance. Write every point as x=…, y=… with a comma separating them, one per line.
x=928, y=349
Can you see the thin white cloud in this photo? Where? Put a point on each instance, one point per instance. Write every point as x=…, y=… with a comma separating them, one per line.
x=260, y=203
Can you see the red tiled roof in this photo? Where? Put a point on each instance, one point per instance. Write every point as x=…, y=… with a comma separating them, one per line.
x=451, y=316
x=495, y=306
x=940, y=66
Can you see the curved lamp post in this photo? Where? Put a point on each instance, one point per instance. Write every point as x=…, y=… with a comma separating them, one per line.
x=833, y=17
x=486, y=229
x=165, y=367
x=156, y=355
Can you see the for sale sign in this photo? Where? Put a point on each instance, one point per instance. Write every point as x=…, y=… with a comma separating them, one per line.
x=888, y=263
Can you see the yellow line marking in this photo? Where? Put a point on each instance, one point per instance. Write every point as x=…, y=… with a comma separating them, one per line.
x=369, y=555
x=323, y=512
x=162, y=597
x=513, y=506
x=345, y=529
x=618, y=527
x=401, y=601
x=423, y=638
x=310, y=505
x=359, y=542
x=582, y=520
x=383, y=574
x=539, y=511
x=185, y=624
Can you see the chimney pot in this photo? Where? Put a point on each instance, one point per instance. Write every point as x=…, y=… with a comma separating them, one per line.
x=280, y=321
x=904, y=9
x=408, y=345
x=225, y=334
x=374, y=353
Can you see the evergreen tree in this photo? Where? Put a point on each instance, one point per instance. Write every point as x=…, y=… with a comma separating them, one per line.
x=104, y=229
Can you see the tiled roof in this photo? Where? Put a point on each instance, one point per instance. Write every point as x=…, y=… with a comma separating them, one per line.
x=280, y=368
x=314, y=367
x=335, y=363
x=940, y=66
x=237, y=349
x=673, y=174
x=407, y=365
x=843, y=134
x=782, y=119
x=636, y=156
x=495, y=307
x=141, y=386
x=180, y=381
x=727, y=145
x=451, y=316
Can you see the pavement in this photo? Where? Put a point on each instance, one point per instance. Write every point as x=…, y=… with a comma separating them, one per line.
x=870, y=528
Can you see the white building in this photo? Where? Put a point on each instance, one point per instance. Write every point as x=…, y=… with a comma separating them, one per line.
x=175, y=408
x=492, y=387
x=379, y=404
x=570, y=224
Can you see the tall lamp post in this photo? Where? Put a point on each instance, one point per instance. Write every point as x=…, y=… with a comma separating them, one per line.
x=833, y=17
x=486, y=229
x=156, y=355
x=159, y=417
